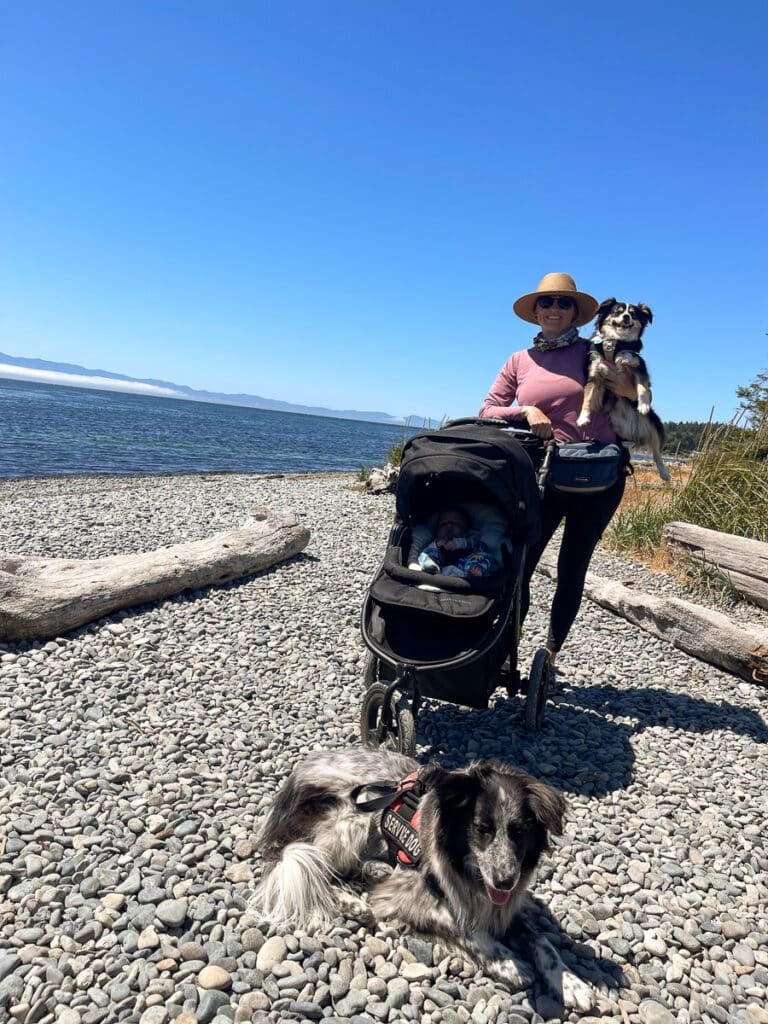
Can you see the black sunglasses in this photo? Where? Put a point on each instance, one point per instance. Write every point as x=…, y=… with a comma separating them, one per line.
x=548, y=301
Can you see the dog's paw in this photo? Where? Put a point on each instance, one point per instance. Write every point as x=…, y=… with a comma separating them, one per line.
x=664, y=473
x=373, y=871
x=577, y=994
x=643, y=408
x=583, y=419
x=354, y=907
x=516, y=975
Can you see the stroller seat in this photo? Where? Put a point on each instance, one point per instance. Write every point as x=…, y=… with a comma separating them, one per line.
x=486, y=520
x=428, y=619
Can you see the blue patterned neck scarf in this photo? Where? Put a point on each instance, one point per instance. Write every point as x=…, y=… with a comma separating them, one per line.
x=561, y=341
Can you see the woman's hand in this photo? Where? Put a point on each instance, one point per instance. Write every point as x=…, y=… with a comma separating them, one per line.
x=620, y=382
x=539, y=424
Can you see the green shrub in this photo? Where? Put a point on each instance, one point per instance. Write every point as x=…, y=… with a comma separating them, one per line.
x=709, y=582
x=638, y=529
x=395, y=456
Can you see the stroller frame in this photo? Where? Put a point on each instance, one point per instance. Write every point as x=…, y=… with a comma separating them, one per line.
x=397, y=685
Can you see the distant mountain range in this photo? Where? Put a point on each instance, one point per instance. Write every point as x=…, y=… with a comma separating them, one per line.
x=20, y=368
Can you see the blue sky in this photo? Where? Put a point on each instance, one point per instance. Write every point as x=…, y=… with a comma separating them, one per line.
x=336, y=203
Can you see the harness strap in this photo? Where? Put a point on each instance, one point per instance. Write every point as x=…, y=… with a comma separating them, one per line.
x=389, y=794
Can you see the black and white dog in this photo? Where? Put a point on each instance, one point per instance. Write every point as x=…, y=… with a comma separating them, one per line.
x=472, y=846
x=618, y=341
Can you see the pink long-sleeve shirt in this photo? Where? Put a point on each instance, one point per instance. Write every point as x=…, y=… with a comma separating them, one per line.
x=552, y=381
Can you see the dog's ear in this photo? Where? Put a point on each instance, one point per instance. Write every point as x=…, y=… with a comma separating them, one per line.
x=604, y=306
x=548, y=806
x=647, y=313
x=454, y=789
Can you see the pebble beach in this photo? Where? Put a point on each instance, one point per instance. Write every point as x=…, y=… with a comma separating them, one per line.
x=139, y=754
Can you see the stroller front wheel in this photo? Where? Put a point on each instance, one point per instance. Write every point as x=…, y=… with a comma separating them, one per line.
x=392, y=728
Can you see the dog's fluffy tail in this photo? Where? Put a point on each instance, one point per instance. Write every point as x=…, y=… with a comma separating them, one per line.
x=298, y=889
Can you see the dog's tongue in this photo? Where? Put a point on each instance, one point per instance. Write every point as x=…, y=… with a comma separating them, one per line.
x=498, y=896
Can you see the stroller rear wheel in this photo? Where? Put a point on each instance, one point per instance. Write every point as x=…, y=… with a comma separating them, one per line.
x=390, y=727
x=538, y=688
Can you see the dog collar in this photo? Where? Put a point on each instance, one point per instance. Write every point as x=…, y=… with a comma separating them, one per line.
x=598, y=341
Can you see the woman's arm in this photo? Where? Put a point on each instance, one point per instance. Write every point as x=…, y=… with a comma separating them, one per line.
x=498, y=401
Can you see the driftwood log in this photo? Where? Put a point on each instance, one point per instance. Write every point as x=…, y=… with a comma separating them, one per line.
x=383, y=480
x=44, y=597
x=702, y=632
x=742, y=561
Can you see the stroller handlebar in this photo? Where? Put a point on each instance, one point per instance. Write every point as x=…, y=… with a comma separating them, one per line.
x=515, y=426
x=521, y=430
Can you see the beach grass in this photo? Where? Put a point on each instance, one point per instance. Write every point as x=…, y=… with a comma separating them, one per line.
x=723, y=488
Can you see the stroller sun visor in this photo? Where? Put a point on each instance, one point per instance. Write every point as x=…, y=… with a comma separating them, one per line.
x=472, y=461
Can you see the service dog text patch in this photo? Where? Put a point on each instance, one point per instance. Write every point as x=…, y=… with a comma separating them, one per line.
x=402, y=834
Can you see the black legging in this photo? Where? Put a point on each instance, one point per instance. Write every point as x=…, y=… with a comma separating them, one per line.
x=586, y=517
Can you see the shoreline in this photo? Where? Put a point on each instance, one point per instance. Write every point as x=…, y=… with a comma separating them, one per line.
x=268, y=474
x=140, y=754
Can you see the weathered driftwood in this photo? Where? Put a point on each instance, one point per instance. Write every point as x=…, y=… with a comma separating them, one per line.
x=706, y=634
x=44, y=597
x=383, y=480
x=743, y=561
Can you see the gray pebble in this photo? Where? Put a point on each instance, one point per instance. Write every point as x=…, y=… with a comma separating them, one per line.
x=211, y=1003
x=172, y=912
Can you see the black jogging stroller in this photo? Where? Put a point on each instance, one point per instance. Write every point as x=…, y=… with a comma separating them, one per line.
x=441, y=636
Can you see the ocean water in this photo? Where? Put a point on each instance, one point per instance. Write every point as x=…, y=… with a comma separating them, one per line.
x=49, y=430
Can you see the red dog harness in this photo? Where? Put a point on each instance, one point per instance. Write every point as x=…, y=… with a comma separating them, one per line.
x=400, y=817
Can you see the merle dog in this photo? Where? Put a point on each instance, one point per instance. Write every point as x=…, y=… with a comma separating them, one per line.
x=481, y=833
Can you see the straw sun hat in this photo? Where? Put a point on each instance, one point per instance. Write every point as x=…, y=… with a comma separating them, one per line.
x=557, y=284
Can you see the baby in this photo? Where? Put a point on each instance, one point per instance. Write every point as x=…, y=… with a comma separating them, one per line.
x=456, y=549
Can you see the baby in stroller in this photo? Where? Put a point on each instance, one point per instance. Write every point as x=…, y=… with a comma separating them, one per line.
x=456, y=550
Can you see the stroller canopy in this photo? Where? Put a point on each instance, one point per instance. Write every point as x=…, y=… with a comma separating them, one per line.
x=475, y=461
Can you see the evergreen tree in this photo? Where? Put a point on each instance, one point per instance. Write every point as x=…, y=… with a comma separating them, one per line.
x=683, y=438
x=754, y=400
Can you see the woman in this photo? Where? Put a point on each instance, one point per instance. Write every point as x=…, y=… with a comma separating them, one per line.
x=546, y=383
